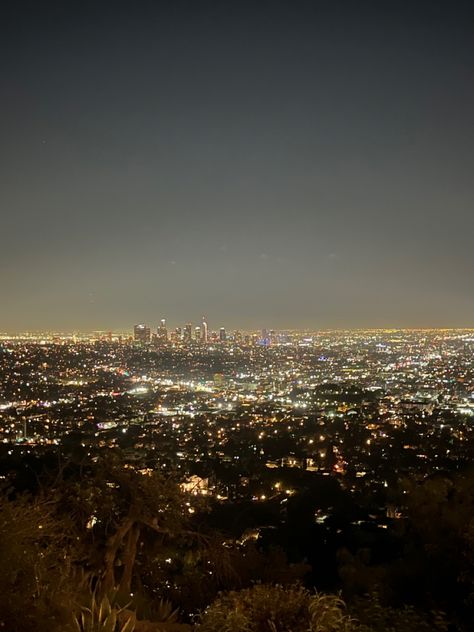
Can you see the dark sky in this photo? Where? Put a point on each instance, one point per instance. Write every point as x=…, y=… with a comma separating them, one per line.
x=267, y=164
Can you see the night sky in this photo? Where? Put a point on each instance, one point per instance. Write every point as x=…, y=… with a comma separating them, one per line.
x=266, y=164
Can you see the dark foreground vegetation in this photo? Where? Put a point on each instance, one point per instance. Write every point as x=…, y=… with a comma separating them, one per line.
x=90, y=543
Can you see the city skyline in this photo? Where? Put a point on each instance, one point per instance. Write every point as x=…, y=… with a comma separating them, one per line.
x=296, y=451
x=237, y=316
x=216, y=330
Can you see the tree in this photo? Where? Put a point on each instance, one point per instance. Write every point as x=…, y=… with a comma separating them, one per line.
x=37, y=581
x=120, y=514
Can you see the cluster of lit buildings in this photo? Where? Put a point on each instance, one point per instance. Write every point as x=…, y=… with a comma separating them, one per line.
x=199, y=334
x=143, y=334
x=244, y=412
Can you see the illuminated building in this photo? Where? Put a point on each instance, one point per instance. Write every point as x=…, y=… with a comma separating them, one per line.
x=162, y=332
x=219, y=379
x=141, y=333
x=204, y=330
x=176, y=335
x=222, y=334
x=187, y=335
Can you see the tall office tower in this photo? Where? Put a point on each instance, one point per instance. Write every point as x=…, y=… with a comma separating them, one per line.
x=162, y=332
x=141, y=333
x=204, y=330
x=187, y=335
x=176, y=335
x=197, y=333
x=222, y=335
